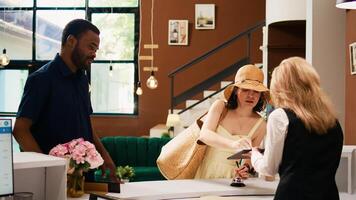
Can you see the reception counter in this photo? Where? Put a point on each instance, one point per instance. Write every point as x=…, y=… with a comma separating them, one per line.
x=213, y=189
x=184, y=189
x=45, y=176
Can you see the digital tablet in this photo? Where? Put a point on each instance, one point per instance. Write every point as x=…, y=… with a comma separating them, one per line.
x=241, y=154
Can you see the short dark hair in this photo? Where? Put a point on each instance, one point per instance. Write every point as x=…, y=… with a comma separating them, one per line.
x=77, y=27
x=232, y=101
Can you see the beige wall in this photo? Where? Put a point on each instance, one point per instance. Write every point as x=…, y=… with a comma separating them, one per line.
x=232, y=17
x=325, y=44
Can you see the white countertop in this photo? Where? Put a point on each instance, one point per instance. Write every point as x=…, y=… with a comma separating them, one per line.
x=176, y=189
x=213, y=189
x=24, y=160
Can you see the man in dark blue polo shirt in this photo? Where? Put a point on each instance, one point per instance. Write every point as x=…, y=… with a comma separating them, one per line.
x=55, y=107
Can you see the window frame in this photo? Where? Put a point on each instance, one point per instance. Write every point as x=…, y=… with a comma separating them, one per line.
x=34, y=64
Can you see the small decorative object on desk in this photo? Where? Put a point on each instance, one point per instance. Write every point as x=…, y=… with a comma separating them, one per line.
x=237, y=182
x=81, y=156
x=125, y=173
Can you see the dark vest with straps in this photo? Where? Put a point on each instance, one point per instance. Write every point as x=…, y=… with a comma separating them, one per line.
x=309, y=162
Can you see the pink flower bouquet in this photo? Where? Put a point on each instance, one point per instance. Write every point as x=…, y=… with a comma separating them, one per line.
x=81, y=154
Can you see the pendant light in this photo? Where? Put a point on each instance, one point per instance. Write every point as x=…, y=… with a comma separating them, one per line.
x=4, y=58
x=346, y=4
x=139, y=89
x=152, y=82
x=110, y=71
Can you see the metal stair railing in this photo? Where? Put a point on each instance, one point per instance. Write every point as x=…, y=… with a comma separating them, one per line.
x=175, y=100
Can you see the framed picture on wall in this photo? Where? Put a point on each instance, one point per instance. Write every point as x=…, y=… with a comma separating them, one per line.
x=178, y=32
x=353, y=58
x=204, y=16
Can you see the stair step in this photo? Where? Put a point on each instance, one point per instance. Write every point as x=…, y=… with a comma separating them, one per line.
x=190, y=102
x=215, y=97
x=202, y=105
x=158, y=130
x=225, y=83
x=189, y=116
x=208, y=92
x=175, y=111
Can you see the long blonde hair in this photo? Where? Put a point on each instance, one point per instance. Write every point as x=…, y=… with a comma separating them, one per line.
x=296, y=85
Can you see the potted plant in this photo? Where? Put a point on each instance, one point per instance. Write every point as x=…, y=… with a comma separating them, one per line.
x=125, y=173
x=165, y=135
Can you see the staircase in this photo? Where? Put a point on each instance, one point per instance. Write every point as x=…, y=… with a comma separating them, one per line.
x=195, y=108
x=190, y=115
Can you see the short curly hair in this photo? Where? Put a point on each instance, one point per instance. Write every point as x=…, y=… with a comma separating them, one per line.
x=76, y=28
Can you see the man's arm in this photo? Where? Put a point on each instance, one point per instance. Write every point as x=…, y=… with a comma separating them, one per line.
x=23, y=135
x=108, y=162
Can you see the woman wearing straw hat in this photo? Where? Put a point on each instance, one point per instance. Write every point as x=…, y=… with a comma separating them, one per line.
x=304, y=138
x=239, y=128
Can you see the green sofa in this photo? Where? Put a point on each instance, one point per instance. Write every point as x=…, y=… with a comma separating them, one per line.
x=140, y=153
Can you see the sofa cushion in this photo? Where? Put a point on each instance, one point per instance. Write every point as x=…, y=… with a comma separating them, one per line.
x=147, y=174
x=134, y=151
x=138, y=152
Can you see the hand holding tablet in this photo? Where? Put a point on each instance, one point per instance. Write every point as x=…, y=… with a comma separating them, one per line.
x=243, y=154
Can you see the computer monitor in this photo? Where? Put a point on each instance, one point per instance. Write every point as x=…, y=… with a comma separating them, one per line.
x=6, y=158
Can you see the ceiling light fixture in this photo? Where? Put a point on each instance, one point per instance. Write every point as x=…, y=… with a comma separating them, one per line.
x=152, y=82
x=4, y=58
x=346, y=4
x=110, y=71
x=139, y=89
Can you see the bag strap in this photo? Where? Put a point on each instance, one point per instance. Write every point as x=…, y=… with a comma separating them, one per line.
x=200, y=122
x=222, y=115
x=255, y=127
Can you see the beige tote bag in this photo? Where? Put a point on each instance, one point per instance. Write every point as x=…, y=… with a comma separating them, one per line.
x=181, y=157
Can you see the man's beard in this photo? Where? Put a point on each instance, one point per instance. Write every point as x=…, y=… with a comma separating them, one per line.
x=79, y=59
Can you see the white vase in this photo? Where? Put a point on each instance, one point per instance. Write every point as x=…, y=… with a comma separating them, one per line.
x=125, y=180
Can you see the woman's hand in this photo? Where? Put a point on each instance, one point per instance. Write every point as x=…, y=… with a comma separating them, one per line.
x=242, y=172
x=243, y=143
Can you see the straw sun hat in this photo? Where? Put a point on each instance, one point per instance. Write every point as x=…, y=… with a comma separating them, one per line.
x=247, y=77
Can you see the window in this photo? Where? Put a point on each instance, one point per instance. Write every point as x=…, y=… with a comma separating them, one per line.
x=12, y=83
x=31, y=31
x=113, y=85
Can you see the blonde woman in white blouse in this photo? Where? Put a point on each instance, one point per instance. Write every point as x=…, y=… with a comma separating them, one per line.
x=304, y=138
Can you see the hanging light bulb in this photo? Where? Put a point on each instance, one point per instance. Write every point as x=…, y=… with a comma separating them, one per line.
x=152, y=82
x=110, y=71
x=139, y=89
x=4, y=59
